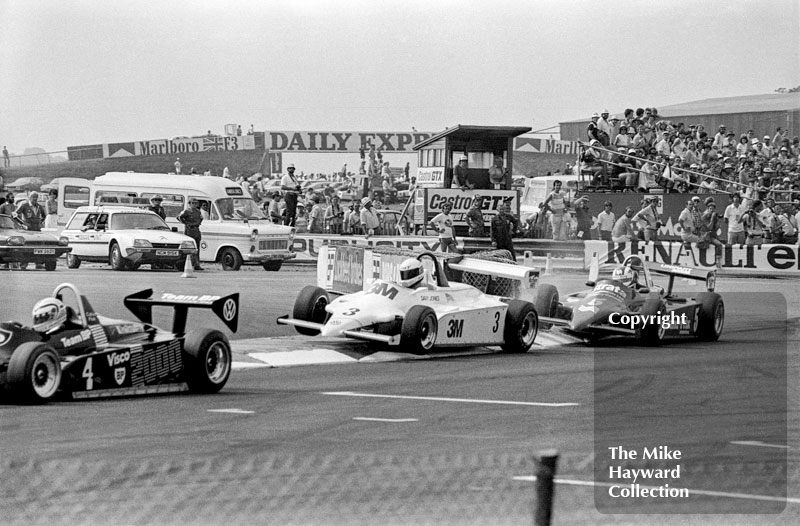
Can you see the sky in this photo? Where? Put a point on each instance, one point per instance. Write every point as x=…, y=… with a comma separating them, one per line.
x=87, y=72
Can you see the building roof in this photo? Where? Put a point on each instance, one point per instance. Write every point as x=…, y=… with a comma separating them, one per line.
x=723, y=105
x=463, y=131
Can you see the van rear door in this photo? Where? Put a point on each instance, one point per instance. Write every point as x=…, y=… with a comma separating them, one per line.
x=73, y=192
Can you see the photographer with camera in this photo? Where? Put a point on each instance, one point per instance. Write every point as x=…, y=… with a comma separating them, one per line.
x=753, y=225
x=334, y=216
x=291, y=192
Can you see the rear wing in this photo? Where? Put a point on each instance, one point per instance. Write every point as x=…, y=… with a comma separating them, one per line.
x=494, y=268
x=699, y=274
x=225, y=307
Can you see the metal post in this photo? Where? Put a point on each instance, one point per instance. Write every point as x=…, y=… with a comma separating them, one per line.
x=545, y=471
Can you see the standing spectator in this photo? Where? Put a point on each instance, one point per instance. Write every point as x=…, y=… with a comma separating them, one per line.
x=720, y=137
x=316, y=218
x=370, y=223
x=606, y=220
x=648, y=219
x=6, y=158
x=8, y=208
x=51, y=210
x=604, y=128
x=689, y=227
x=709, y=228
x=155, y=206
x=239, y=130
x=301, y=221
x=497, y=175
x=753, y=225
x=291, y=193
x=461, y=175
x=191, y=219
x=555, y=203
x=592, y=129
x=274, y=209
x=406, y=170
x=443, y=224
x=346, y=219
x=334, y=216
x=733, y=215
x=584, y=218
x=31, y=212
x=354, y=221
x=475, y=221
x=204, y=210
x=178, y=166
x=623, y=228
x=504, y=226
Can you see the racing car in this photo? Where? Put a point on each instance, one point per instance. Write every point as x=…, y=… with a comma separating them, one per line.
x=73, y=351
x=631, y=304
x=421, y=310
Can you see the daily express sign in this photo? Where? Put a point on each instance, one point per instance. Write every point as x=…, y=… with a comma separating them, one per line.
x=315, y=141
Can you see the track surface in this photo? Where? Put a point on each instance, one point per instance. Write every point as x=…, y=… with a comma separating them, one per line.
x=438, y=441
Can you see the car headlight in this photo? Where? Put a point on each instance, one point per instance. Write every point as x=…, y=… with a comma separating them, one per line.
x=16, y=241
x=142, y=243
x=63, y=241
x=187, y=245
x=254, y=235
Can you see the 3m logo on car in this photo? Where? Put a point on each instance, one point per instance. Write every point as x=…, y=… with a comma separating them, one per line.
x=455, y=328
x=384, y=289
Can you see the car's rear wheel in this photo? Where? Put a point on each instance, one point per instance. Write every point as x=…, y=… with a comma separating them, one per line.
x=73, y=261
x=522, y=325
x=712, y=316
x=652, y=333
x=418, y=332
x=115, y=258
x=34, y=373
x=230, y=259
x=207, y=360
x=310, y=306
x=546, y=302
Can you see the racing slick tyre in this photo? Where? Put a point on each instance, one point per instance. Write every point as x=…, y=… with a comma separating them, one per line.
x=653, y=333
x=418, y=332
x=546, y=302
x=34, y=373
x=115, y=258
x=50, y=266
x=207, y=360
x=273, y=266
x=230, y=259
x=712, y=316
x=522, y=325
x=310, y=306
x=73, y=261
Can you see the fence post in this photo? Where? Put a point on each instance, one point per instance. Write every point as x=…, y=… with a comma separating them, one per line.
x=545, y=471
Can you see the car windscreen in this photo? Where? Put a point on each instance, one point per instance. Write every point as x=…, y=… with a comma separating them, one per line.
x=239, y=208
x=137, y=221
x=6, y=223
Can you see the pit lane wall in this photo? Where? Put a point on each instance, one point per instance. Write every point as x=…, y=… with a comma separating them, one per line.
x=777, y=260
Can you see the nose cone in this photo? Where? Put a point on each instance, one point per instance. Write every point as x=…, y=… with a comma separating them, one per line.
x=589, y=313
x=339, y=323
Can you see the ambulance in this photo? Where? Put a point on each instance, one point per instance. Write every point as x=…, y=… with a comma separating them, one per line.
x=236, y=231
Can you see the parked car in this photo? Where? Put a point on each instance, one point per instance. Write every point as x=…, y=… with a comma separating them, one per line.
x=20, y=246
x=126, y=237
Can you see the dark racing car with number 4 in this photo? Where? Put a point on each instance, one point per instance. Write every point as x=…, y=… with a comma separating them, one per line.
x=631, y=304
x=73, y=351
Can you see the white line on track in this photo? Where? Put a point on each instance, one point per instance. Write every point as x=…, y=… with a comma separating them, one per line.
x=399, y=420
x=758, y=443
x=709, y=493
x=233, y=411
x=443, y=399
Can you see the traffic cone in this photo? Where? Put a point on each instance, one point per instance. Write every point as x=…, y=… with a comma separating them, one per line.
x=548, y=267
x=188, y=269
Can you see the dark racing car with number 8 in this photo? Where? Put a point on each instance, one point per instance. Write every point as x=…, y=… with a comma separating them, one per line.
x=74, y=352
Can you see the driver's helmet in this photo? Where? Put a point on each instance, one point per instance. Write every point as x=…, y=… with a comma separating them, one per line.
x=411, y=272
x=48, y=313
x=625, y=275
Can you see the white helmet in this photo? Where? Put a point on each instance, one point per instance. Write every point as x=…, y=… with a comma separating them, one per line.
x=48, y=313
x=624, y=275
x=411, y=272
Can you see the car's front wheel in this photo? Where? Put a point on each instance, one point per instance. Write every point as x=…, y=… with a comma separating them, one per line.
x=73, y=261
x=310, y=306
x=546, y=302
x=418, y=332
x=522, y=325
x=207, y=360
x=34, y=373
x=115, y=258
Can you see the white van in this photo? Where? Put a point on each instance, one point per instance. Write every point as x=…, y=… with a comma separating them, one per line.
x=236, y=232
x=537, y=189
